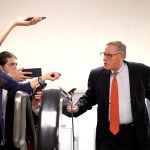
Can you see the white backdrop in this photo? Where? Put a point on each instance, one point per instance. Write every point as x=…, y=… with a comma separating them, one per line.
x=74, y=33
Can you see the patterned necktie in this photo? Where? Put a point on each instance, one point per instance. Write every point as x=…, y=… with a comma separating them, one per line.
x=114, y=107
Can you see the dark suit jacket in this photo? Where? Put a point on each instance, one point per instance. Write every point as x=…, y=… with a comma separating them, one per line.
x=98, y=93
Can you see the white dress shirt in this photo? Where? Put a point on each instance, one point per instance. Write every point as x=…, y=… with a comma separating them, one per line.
x=125, y=113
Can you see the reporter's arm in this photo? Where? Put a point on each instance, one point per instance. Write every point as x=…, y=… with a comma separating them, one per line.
x=19, y=21
x=49, y=76
x=12, y=85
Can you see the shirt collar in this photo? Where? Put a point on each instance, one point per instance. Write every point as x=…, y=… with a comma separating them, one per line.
x=121, y=69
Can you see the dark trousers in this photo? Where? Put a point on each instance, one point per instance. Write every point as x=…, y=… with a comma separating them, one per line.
x=126, y=139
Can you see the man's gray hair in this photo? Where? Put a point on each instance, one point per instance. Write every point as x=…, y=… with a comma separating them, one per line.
x=120, y=46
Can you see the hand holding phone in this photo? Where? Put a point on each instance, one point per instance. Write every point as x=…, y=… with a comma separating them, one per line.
x=40, y=87
x=30, y=18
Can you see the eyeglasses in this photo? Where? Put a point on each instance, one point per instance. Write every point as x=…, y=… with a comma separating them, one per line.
x=109, y=56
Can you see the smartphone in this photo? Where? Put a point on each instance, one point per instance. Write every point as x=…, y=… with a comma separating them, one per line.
x=40, y=87
x=72, y=90
x=36, y=72
x=30, y=18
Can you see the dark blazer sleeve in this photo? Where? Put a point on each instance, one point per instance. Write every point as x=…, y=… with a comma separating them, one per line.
x=90, y=98
x=147, y=81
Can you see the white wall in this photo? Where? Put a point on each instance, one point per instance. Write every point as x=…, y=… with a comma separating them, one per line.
x=75, y=31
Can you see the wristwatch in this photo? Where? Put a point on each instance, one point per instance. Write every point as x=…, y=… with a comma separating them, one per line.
x=40, y=80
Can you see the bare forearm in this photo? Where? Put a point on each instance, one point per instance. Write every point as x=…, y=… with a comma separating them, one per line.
x=18, y=21
x=49, y=76
x=6, y=31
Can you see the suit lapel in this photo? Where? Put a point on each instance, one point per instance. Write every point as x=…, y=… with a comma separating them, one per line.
x=132, y=81
x=106, y=85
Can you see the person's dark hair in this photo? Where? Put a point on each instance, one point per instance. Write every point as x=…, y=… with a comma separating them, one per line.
x=120, y=46
x=4, y=55
x=3, y=60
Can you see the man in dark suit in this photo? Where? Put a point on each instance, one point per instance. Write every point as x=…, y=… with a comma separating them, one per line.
x=133, y=82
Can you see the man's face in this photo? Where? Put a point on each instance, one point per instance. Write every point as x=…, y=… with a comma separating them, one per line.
x=10, y=66
x=115, y=62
